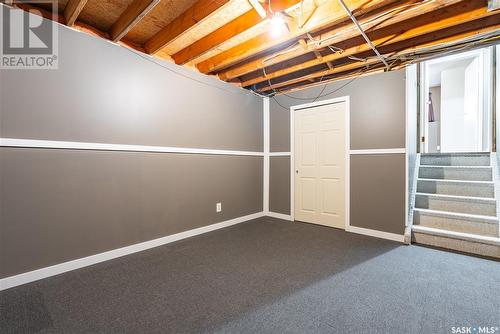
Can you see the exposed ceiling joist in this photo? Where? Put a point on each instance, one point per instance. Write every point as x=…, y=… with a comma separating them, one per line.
x=320, y=59
x=362, y=32
x=72, y=10
x=228, y=31
x=77, y=25
x=232, y=39
x=344, y=76
x=447, y=17
x=337, y=69
x=453, y=35
x=130, y=17
x=376, y=20
x=456, y=40
x=330, y=12
x=259, y=8
x=201, y=10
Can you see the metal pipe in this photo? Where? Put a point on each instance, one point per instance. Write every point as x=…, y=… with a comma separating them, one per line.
x=362, y=32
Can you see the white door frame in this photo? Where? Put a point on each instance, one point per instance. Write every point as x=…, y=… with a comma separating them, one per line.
x=485, y=65
x=301, y=107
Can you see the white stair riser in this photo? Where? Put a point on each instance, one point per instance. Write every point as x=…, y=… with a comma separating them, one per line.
x=456, y=188
x=455, y=160
x=461, y=206
x=457, y=244
x=467, y=174
x=455, y=224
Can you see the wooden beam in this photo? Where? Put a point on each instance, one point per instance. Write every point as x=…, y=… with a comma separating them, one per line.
x=337, y=69
x=259, y=8
x=329, y=13
x=424, y=24
x=198, y=12
x=130, y=17
x=454, y=34
x=338, y=35
x=227, y=31
x=80, y=26
x=320, y=59
x=48, y=14
x=72, y=10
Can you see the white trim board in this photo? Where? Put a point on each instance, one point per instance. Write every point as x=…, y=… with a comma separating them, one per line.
x=267, y=145
x=71, y=145
x=375, y=233
x=380, y=151
x=279, y=215
x=35, y=275
x=279, y=154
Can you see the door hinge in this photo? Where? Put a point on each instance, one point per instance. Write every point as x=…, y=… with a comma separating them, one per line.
x=423, y=139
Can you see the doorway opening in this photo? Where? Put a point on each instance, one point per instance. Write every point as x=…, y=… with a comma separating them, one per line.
x=456, y=103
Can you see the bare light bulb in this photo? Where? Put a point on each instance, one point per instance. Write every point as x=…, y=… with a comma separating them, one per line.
x=277, y=25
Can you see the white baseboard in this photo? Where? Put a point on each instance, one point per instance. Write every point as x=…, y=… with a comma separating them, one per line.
x=279, y=215
x=375, y=233
x=35, y=275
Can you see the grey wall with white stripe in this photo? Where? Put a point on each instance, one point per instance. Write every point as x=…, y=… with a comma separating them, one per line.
x=377, y=121
x=107, y=94
x=58, y=205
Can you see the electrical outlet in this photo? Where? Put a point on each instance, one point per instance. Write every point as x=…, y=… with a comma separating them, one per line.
x=218, y=207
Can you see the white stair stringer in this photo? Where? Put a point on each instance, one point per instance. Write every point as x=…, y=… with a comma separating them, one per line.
x=411, y=201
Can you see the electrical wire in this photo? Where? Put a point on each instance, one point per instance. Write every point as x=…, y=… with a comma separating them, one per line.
x=319, y=43
x=420, y=55
x=320, y=95
x=334, y=49
x=317, y=97
x=413, y=8
x=362, y=32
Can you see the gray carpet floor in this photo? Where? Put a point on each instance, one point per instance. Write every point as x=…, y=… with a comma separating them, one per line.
x=264, y=276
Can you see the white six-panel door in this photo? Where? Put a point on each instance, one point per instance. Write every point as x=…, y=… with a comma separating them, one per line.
x=320, y=163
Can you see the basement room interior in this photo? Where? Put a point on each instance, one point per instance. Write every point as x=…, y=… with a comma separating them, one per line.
x=250, y=166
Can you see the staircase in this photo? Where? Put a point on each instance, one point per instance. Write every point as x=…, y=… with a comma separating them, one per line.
x=455, y=206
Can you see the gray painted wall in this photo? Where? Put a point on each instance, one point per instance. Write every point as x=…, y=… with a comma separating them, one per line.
x=378, y=194
x=377, y=112
x=279, y=179
x=108, y=94
x=377, y=121
x=58, y=205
